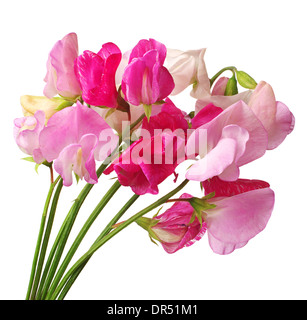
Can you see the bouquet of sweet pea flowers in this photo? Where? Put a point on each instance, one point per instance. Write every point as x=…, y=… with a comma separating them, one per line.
x=116, y=108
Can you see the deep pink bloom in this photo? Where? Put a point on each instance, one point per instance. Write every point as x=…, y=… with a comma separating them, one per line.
x=26, y=134
x=174, y=229
x=275, y=116
x=60, y=75
x=145, y=79
x=96, y=74
x=170, y=117
x=148, y=162
x=73, y=138
x=231, y=139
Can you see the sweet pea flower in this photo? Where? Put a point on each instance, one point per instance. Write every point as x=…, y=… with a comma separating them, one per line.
x=242, y=210
x=96, y=74
x=231, y=139
x=274, y=115
x=26, y=133
x=145, y=80
x=188, y=68
x=174, y=229
x=60, y=78
x=74, y=138
x=154, y=156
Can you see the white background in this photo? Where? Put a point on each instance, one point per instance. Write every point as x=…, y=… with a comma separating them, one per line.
x=267, y=39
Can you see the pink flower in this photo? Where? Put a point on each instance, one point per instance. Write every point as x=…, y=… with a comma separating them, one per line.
x=155, y=156
x=174, y=228
x=145, y=79
x=96, y=74
x=74, y=138
x=26, y=134
x=275, y=116
x=148, y=162
x=240, y=212
x=170, y=117
x=60, y=75
x=231, y=139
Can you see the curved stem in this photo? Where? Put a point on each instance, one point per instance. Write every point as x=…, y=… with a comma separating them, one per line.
x=82, y=234
x=110, y=235
x=40, y=235
x=233, y=69
x=106, y=230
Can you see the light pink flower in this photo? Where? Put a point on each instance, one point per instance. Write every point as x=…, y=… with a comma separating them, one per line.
x=241, y=211
x=74, y=138
x=96, y=74
x=239, y=215
x=60, y=78
x=275, y=116
x=26, y=134
x=145, y=79
x=231, y=139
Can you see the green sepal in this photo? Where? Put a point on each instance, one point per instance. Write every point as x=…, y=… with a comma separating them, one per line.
x=110, y=111
x=77, y=178
x=159, y=102
x=245, y=80
x=64, y=104
x=147, y=109
x=200, y=205
x=30, y=159
x=147, y=224
x=231, y=87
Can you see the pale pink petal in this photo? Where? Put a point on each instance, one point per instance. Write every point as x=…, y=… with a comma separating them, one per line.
x=67, y=159
x=220, y=87
x=60, y=75
x=284, y=124
x=223, y=248
x=222, y=101
x=235, y=220
x=222, y=157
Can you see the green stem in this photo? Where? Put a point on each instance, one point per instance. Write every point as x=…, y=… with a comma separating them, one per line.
x=82, y=234
x=40, y=235
x=60, y=242
x=233, y=69
x=106, y=230
x=110, y=235
x=46, y=238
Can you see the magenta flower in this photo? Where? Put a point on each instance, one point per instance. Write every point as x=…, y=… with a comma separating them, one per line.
x=145, y=79
x=174, y=228
x=26, y=134
x=60, y=78
x=154, y=157
x=231, y=139
x=96, y=74
x=74, y=138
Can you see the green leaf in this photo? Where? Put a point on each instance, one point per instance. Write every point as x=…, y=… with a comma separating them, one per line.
x=231, y=87
x=245, y=80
